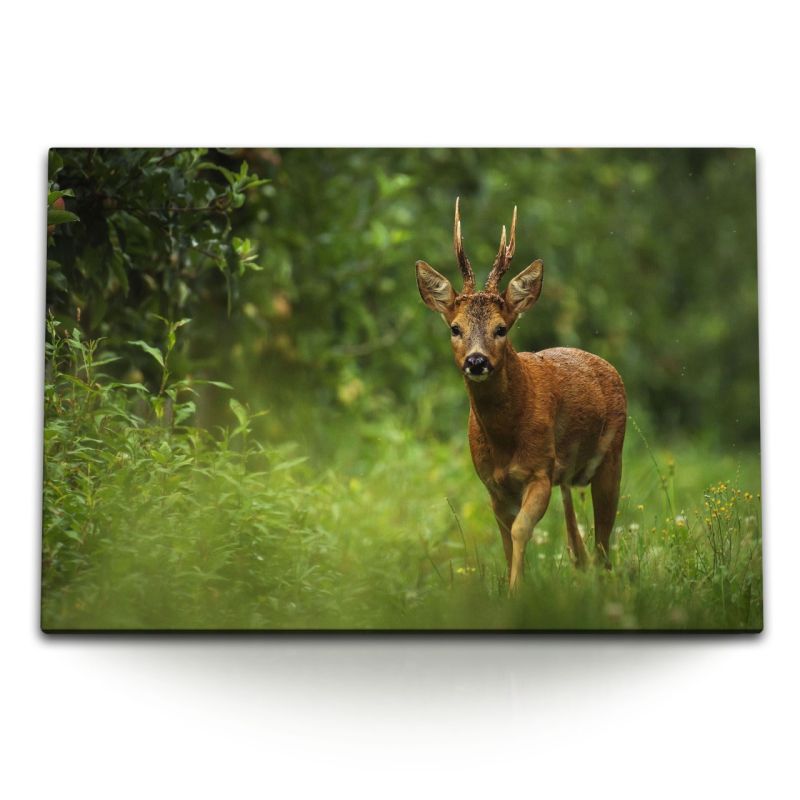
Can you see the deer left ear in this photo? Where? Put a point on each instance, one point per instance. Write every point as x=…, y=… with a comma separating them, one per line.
x=525, y=289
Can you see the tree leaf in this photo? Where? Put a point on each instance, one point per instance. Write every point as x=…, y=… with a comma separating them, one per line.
x=289, y=464
x=230, y=176
x=240, y=411
x=56, y=193
x=220, y=384
x=153, y=351
x=57, y=216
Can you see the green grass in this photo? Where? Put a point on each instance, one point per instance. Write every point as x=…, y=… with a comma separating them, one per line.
x=149, y=524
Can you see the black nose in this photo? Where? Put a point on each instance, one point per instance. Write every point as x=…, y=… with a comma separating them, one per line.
x=476, y=364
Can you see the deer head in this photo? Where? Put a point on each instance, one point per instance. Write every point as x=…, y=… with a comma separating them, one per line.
x=479, y=321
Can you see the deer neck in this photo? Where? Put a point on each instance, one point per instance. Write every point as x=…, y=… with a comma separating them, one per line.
x=498, y=402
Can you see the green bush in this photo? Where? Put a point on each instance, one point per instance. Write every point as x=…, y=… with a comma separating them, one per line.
x=150, y=235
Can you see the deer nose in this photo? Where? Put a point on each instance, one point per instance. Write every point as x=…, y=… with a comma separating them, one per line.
x=476, y=364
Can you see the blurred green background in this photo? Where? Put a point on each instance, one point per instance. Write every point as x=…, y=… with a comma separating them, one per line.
x=295, y=267
x=650, y=259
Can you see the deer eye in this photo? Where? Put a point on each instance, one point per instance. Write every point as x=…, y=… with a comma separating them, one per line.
x=501, y=330
x=455, y=330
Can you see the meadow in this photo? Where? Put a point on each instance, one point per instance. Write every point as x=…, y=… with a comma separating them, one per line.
x=252, y=422
x=152, y=526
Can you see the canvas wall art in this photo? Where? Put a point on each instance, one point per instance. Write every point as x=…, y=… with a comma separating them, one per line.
x=401, y=390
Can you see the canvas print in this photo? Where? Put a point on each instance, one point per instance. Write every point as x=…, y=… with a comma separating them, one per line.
x=401, y=390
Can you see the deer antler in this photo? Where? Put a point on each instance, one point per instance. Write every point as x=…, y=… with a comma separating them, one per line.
x=504, y=255
x=463, y=261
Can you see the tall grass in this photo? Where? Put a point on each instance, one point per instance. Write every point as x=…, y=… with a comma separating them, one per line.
x=151, y=523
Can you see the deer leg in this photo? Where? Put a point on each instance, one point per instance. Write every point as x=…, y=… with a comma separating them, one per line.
x=605, y=497
x=505, y=519
x=535, y=498
x=576, y=545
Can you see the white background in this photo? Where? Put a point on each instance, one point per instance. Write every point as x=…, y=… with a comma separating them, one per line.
x=403, y=717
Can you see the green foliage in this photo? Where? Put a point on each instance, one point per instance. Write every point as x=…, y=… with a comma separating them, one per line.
x=146, y=523
x=153, y=234
x=650, y=261
x=149, y=526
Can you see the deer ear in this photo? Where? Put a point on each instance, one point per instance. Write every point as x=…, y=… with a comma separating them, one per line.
x=525, y=289
x=434, y=288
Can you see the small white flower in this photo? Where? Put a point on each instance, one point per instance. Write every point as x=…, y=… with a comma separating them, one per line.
x=540, y=536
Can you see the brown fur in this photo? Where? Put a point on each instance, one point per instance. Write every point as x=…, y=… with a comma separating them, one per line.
x=537, y=420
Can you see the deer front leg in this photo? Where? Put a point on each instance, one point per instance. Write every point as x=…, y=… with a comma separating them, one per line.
x=535, y=498
x=505, y=514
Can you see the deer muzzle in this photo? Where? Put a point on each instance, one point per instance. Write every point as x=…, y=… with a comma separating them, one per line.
x=477, y=367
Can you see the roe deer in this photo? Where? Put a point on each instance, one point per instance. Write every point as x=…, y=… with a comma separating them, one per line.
x=536, y=420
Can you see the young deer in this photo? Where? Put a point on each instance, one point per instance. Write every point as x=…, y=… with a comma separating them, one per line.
x=537, y=420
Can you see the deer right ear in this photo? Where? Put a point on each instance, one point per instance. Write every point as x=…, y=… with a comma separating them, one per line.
x=435, y=290
x=525, y=289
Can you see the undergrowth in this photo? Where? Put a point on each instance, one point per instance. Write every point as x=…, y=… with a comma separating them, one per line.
x=153, y=523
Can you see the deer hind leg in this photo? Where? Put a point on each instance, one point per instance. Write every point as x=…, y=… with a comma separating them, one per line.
x=574, y=539
x=605, y=497
x=534, y=503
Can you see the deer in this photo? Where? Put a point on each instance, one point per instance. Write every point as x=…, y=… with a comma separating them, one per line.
x=536, y=420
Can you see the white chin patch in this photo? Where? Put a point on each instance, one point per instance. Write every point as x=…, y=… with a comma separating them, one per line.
x=477, y=378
